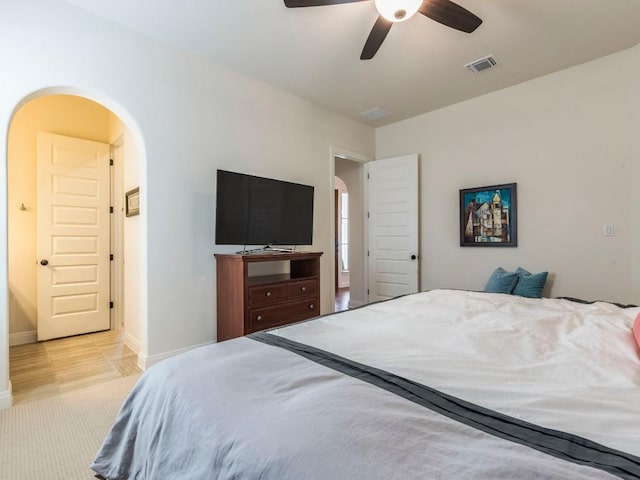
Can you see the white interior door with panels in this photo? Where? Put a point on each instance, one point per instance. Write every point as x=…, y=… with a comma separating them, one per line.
x=392, y=191
x=73, y=236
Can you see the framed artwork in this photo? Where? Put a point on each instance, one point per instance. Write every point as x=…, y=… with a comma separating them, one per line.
x=488, y=216
x=132, y=202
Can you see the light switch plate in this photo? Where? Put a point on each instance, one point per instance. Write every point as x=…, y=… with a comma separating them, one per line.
x=608, y=230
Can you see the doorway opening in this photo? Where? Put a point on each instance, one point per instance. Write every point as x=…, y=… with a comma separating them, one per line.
x=349, y=256
x=66, y=242
x=341, y=251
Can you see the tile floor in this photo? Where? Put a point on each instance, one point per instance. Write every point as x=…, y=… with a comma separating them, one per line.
x=44, y=369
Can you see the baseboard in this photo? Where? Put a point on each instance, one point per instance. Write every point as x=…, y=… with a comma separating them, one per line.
x=355, y=304
x=5, y=398
x=146, y=361
x=22, y=338
x=132, y=343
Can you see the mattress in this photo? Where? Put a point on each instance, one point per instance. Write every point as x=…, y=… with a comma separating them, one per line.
x=440, y=384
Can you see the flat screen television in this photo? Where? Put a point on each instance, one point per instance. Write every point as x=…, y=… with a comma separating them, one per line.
x=254, y=210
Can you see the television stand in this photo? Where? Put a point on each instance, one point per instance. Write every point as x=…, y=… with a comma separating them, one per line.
x=247, y=303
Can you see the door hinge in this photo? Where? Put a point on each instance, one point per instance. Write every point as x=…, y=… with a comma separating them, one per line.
x=111, y=257
x=367, y=253
x=110, y=209
x=110, y=304
x=367, y=291
x=368, y=214
x=111, y=162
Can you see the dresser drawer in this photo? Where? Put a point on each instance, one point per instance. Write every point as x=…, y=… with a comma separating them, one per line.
x=301, y=289
x=272, y=316
x=266, y=294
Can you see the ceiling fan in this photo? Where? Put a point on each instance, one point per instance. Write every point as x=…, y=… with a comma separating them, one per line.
x=445, y=12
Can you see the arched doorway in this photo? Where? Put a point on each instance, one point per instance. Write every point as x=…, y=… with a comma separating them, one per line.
x=72, y=114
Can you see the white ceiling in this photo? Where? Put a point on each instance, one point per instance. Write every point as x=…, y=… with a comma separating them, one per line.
x=314, y=52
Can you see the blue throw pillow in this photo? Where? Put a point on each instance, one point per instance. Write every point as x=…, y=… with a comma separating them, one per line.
x=501, y=281
x=530, y=285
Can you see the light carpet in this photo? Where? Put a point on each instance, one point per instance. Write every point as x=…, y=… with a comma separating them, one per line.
x=57, y=438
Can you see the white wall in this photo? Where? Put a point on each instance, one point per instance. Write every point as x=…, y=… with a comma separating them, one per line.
x=189, y=117
x=634, y=73
x=128, y=229
x=568, y=140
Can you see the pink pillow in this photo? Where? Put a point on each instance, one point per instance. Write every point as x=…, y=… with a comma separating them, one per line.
x=636, y=331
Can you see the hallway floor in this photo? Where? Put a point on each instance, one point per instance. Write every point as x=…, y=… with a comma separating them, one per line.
x=342, y=299
x=44, y=369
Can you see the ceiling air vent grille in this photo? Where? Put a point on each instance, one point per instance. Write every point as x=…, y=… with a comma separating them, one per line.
x=375, y=113
x=482, y=64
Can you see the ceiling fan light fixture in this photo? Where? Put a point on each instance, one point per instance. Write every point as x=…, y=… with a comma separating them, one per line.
x=397, y=10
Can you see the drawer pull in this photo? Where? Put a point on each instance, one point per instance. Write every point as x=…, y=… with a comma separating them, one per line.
x=268, y=294
x=303, y=289
x=312, y=306
x=259, y=317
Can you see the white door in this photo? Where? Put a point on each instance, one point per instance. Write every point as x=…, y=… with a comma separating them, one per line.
x=73, y=236
x=392, y=227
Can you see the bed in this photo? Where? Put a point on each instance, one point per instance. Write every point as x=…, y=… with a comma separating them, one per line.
x=436, y=385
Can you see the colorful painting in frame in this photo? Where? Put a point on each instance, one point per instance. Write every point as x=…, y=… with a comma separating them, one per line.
x=488, y=216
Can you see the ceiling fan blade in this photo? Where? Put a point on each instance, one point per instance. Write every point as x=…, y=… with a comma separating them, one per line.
x=316, y=3
x=376, y=37
x=450, y=14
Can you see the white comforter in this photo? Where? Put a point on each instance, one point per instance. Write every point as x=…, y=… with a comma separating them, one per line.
x=555, y=363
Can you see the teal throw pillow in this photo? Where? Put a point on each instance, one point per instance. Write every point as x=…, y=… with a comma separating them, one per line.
x=530, y=285
x=501, y=281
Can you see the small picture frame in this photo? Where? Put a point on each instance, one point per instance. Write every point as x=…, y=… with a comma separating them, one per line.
x=489, y=216
x=132, y=202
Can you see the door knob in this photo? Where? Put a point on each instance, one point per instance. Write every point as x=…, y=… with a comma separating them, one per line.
x=44, y=262
x=413, y=257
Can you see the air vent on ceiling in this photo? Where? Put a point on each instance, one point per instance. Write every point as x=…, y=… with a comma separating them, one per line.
x=375, y=113
x=482, y=64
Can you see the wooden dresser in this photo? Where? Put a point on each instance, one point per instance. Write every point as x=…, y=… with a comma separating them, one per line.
x=249, y=304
